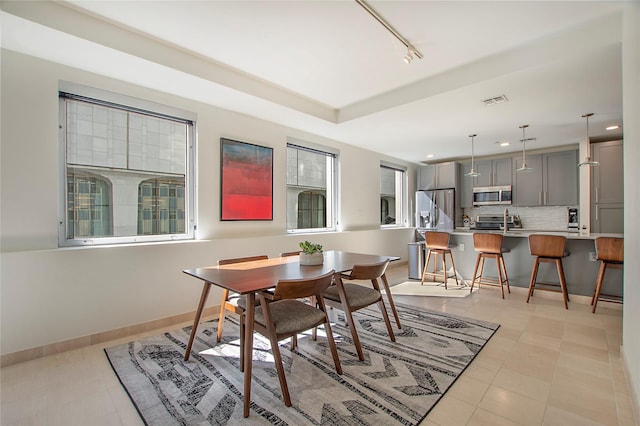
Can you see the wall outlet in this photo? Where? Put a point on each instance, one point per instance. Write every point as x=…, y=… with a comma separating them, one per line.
x=592, y=256
x=461, y=247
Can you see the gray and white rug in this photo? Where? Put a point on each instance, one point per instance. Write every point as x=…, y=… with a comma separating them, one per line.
x=397, y=383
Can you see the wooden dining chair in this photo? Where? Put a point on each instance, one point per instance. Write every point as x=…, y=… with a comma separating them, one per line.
x=351, y=297
x=281, y=314
x=290, y=253
x=234, y=302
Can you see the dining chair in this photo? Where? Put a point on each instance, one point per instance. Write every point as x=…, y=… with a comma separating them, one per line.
x=234, y=302
x=290, y=253
x=282, y=314
x=350, y=297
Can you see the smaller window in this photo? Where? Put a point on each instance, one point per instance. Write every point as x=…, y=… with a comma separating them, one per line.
x=392, y=195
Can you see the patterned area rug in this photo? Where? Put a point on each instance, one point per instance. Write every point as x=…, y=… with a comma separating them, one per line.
x=397, y=383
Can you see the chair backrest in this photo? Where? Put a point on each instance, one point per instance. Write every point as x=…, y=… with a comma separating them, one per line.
x=242, y=259
x=547, y=245
x=487, y=243
x=305, y=287
x=368, y=272
x=610, y=249
x=290, y=253
x=436, y=240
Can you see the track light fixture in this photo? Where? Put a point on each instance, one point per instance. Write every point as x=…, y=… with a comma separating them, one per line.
x=411, y=50
x=472, y=172
x=587, y=161
x=524, y=167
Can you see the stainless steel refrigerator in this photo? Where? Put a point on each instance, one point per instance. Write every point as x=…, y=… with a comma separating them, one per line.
x=435, y=209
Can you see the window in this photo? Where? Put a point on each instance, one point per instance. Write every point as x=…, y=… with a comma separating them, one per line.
x=311, y=188
x=392, y=195
x=127, y=165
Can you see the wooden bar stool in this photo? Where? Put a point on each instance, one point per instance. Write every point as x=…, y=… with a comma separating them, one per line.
x=610, y=253
x=489, y=246
x=548, y=249
x=438, y=244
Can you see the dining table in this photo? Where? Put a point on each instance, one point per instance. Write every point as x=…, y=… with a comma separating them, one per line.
x=248, y=278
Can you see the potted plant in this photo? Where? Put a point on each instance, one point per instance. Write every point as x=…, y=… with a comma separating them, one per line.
x=311, y=254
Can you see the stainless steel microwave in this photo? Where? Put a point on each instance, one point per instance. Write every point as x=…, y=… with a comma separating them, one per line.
x=491, y=195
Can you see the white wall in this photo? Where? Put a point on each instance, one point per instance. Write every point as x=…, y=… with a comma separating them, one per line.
x=50, y=295
x=631, y=108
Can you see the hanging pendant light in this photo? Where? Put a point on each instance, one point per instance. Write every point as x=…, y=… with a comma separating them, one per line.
x=524, y=167
x=472, y=172
x=587, y=161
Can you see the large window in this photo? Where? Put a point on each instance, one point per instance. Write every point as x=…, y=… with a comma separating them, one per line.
x=127, y=165
x=392, y=195
x=311, y=193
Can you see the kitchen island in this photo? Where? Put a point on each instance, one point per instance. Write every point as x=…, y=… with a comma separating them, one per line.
x=579, y=268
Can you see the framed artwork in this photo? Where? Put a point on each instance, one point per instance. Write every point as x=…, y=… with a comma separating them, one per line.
x=246, y=181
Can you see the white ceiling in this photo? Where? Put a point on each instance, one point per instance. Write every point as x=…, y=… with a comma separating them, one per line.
x=329, y=68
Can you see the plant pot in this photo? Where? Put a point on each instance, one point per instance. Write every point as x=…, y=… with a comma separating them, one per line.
x=311, y=259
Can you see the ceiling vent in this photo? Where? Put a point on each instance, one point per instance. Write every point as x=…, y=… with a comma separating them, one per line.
x=495, y=100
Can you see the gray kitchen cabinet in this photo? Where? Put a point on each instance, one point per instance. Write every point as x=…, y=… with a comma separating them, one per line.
x=438, y=176
x=607, y=187
x=552, y=182
x=494, y=172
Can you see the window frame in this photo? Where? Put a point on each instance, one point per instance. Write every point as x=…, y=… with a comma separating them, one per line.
x=332, y=196
x=136, y=105
x=401, y=195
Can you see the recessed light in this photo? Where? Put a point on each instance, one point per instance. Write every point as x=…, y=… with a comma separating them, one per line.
x=614, y=127
x=430, y=156
x=503, y=143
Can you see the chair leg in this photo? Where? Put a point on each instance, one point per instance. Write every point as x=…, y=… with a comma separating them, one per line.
x=453, y=265
x=242, y=332
x=534, y=274
x=425, y=270
x=500, y=275
x=563, y=283
x=277, y=359
x=444, y=269
x=475, y=273
x=596, y=293
x=385, y=283
x=383, y=311
x=349, y=319
x=332, y=344
x=225, y=297
x=504, y=271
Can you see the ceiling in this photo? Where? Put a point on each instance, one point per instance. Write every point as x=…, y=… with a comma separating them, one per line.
x=329, y=68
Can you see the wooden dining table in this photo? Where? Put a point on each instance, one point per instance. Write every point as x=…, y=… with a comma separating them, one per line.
x=248, y=278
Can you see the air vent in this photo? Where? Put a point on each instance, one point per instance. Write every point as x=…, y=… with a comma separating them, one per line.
x=495, y=100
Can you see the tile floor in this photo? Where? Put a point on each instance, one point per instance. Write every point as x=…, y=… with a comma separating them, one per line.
x=544, y=366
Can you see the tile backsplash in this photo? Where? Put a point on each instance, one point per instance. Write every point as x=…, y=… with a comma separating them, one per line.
x=552, y=218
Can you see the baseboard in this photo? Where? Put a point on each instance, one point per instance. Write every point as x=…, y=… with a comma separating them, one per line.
x=94, y=339
x=633, y=393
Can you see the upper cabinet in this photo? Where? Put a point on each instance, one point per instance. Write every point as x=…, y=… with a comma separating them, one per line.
x=494, y=172
x=438, y=176
x=553, y=180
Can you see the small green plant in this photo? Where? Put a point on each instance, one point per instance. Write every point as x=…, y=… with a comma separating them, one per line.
x=310, y=248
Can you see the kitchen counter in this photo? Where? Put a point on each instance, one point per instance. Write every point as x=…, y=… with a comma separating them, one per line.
x=522, y=233
x=581, y=268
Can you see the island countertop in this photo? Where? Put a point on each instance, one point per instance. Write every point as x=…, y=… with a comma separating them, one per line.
x=524, y=233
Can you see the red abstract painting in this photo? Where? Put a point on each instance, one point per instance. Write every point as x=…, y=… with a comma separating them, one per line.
x=246, y=181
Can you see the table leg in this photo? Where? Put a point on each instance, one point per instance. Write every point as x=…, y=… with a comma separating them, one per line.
x=385, y=283
x=248, y=350
x=203, y=299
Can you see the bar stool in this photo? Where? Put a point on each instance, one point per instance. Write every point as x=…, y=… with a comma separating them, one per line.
x=548, y=249
x=610, y=253
x=438, y=244
x=489, y=246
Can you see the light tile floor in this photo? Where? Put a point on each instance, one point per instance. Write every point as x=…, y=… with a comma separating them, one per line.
x=544, y=366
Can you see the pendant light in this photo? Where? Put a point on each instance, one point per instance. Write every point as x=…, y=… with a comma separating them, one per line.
x=472, y=172
x=524, y=167
x=587, y=161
